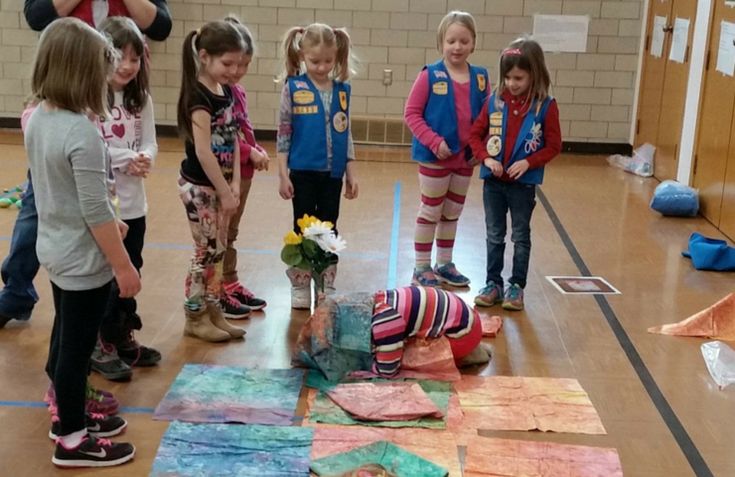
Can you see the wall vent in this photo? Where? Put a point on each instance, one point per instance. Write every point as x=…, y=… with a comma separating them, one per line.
x=382, y=131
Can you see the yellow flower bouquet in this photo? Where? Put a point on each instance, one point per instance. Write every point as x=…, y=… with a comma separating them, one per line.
x=314, y=249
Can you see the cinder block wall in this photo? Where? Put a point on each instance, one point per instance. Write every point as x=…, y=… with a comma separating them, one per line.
x=594, y=89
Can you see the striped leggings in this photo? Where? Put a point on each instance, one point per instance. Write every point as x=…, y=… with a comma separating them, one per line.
x=443, y=193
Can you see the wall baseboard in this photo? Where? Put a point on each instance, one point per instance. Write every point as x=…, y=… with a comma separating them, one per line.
x=574, y=147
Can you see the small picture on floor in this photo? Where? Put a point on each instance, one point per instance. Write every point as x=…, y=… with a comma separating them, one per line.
x=583, y=285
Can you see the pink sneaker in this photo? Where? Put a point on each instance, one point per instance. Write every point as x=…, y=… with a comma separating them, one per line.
x=98, y=401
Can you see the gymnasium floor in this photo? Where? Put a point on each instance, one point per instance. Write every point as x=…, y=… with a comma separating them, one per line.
x=659, y=405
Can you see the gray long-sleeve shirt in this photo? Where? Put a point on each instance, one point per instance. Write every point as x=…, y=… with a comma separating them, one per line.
x=70, y=170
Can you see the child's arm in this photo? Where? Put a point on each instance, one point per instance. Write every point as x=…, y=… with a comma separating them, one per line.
x=200, y=121
x=107, y=236
x=236, y=173
x=283, y=144
x=249, y=149
x=414, y=117
x=351, y=189
x=148, y=144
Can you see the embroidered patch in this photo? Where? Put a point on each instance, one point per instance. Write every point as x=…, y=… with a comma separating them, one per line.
x=305, y=109
x=343, y=100
x=440, y=87
x=301, y=84
x=440, y=74
x=533, y=140
x=303, y=97
x=496, y=119
x=481, y=82
x=340, y=122
x=494, y=146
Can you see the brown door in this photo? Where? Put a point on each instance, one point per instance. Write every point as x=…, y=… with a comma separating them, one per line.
x=727, y=211
x=674, y=94
x=715, y=124
x=652, y=79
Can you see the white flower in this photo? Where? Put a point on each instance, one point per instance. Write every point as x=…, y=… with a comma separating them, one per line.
x=331, y=243
x=317, y=229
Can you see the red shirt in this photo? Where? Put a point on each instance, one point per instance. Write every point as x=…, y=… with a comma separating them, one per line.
x=552, y=133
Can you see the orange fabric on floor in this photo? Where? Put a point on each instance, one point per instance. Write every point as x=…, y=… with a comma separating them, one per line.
x=717, y=321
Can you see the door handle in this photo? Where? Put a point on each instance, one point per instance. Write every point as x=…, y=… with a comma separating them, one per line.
x=668, y=29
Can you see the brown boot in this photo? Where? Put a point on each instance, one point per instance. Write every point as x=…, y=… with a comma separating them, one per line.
x=199, y=326
x=217, y=316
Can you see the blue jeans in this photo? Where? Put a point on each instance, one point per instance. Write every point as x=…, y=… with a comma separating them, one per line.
x=498, y=198
x=21, y=265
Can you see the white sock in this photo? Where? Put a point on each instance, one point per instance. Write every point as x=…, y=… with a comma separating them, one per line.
x=72, y=441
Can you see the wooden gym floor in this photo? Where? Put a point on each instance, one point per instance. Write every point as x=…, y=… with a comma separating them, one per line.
x=661, y=409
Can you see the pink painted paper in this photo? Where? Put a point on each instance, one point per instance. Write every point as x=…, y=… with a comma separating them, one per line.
x=490, y=325
x=521, y=404
x=396, y=401
x=491, y=457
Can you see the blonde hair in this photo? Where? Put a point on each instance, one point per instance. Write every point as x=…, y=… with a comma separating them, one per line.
x=455, y=16
x=312, y=36
x=71, y=67
x=369, y=470
x=527, y=55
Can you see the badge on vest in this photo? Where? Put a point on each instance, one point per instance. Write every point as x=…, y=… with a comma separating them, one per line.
x=440, y=74
x=533, y=140
x=440, y=87
x=496, y=119
x=494, y=146
x=340, y=122
x=303, y=97
x=305, y=109
x=481, y=82
x=343, y=100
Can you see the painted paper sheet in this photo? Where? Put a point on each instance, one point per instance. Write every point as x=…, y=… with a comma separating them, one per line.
x=487, y=457
x=439, y=447
x=519, y=403
x=206, y=393
x=395, y=401
x=324, y=410
x=393, y=458
x=203, y=450
x=490, y=325
x=716, y=321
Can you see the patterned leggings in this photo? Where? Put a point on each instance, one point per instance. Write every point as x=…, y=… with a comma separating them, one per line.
x=443, y=194
x=209, y=230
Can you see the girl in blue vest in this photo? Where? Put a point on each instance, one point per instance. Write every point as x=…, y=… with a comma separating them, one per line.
x=314, y=143
x=444, y=101
x=516, y=134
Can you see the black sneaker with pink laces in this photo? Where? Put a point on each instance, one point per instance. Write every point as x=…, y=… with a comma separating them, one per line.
x=98, y=425
x=93, y=452
x=238, y=291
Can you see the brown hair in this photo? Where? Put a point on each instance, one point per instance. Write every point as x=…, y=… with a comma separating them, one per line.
x=314, y=35
x=455, y=16
x=215, y=38
x=247, y=37
x=123, y=32
x=527, y=55
x=71, y=67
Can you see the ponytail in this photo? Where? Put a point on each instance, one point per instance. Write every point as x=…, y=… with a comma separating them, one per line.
x=189, y=74
x=291, y=50
x=342, y=69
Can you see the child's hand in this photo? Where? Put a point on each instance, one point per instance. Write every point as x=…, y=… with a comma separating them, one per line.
x=351, y=189
x=259, y=159
x=128, y=280
x=139, y=166
x=517, y=169
x=285, y=188
x=495, y=166
x=229, y=202
x=443, y=151
x=123, y=228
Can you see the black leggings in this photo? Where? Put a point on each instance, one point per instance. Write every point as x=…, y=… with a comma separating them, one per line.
x=76, y=324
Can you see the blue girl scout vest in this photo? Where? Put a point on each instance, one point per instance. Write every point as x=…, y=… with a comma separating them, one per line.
x=309, y=136
x=440, y=112
x=530, y=138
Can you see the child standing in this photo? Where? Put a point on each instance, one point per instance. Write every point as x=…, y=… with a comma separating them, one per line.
x=516, y=134
x=130, y=135
x=79, y=240
x=209, y=184
x=444, y=101
x=252, y=157
x=314, y=142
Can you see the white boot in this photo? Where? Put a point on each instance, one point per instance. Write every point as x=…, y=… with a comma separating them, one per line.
x=329, y=274
x=300, y=288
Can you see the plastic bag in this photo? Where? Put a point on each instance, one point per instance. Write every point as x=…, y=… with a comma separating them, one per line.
x=720, y=361
x=640, y=164
x=673, y=198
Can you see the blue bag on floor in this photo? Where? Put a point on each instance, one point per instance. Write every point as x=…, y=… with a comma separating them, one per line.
x=710, y=254
x=673, y=198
